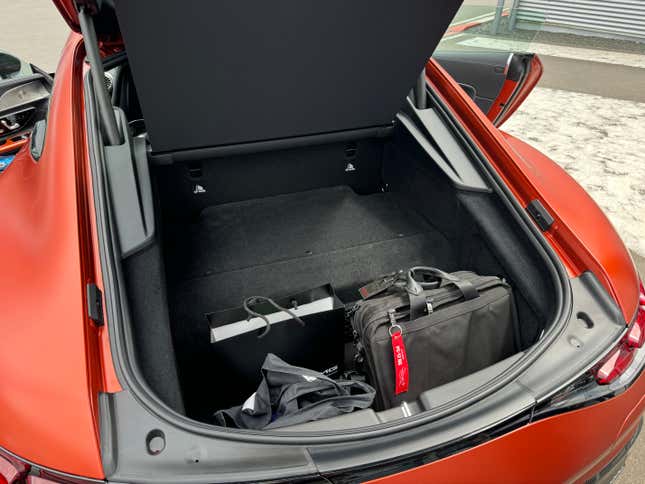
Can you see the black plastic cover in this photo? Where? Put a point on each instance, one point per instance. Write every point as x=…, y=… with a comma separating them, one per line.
x=130, y=191
x=215, y=73
x=540, y=214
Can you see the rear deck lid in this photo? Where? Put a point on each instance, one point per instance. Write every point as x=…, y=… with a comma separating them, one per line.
x=211, y=73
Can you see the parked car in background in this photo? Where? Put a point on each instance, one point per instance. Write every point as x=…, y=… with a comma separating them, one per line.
x=191, y=153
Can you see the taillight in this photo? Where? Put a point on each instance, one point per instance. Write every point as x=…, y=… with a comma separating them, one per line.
x=15, y=471
x=636, y=334
x=12, y=470
x=615, y=364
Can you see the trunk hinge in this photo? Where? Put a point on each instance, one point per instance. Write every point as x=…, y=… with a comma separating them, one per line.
x=95, y=304
x=540, y=214
x=109, y=127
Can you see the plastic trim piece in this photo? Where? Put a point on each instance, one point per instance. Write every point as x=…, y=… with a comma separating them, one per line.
x=130, y=191
x=434, y=137
x=38, y=136
x=271, y=145
x=23, y=96
x=95, y=304
x=540, y=214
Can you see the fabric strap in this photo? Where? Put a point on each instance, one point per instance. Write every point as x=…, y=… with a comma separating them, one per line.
x=415, y=289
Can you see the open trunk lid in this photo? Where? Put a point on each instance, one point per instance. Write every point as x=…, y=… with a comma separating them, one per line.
x=227, y=72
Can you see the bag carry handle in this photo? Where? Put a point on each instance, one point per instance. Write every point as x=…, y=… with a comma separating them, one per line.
x=250, y=313
x=418, y=302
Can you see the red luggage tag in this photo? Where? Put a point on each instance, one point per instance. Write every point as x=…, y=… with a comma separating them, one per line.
x=379, y=286
x=401, y=370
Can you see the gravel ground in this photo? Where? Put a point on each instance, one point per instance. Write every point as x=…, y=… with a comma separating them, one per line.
x=593, y=138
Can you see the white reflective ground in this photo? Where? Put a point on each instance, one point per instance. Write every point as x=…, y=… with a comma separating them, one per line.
x=599, y=141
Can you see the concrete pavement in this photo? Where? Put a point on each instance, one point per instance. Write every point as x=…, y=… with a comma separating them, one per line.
x=612, y=81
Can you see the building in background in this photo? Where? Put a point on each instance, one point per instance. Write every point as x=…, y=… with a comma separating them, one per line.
x=620, y=19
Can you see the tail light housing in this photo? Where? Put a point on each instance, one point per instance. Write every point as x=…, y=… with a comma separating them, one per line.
x=621, y=357
x=12, y=470
x=15, y=471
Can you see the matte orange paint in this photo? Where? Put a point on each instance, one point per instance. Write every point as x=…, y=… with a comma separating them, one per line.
x=571, y=447
x=581, y=235
x=50, y=365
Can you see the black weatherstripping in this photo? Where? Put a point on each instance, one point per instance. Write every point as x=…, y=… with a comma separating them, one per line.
x=215, y=73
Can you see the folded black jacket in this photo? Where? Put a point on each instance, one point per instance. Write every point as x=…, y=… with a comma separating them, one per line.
x=290, y=395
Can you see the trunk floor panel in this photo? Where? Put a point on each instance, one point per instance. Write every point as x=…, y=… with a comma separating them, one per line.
x=262, y=231
x=279, y=246
x=288, y=243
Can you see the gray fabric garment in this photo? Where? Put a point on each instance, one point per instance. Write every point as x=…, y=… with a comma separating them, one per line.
x=290, y=395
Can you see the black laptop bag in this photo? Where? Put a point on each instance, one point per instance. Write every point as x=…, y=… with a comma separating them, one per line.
x=421, y=329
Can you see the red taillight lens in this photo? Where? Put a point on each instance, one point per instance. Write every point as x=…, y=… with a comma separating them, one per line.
x=615, y=364
x=622, y=356
x=11, y=470
x=15, y=471
x=636, y=335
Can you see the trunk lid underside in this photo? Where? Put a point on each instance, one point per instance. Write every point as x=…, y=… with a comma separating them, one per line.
x=219, y=73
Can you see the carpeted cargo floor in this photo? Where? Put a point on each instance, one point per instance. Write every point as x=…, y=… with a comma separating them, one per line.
x=279, y=246
x=288, y=243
